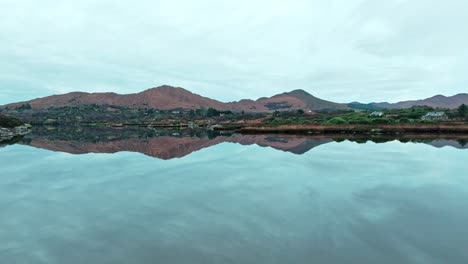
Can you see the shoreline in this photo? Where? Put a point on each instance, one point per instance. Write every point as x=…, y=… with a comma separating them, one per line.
x=355, y=129
x=309, y=129
x=7, y=134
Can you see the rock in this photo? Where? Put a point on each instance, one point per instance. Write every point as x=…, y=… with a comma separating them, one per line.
x=9, y=133
x=6, y=132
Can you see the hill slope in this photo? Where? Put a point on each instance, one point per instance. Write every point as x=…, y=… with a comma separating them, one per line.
x=438, y=101
x=167, y=97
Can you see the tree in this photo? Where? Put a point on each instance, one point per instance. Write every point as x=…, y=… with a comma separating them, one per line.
x=24, y=107
x=359, y=120
x=463, y=111
x=212, y=112
x=300, y=111
x=192, y=113
x=9, y=122
x=405, y=120
x=381, y=121
x=463, y=142
x=336, y=121
x=200, y=112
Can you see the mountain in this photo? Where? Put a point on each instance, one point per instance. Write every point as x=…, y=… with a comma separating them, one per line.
x=294, y=100
x=168, y=97
x=438, y=101
x=366, y=107
x=169, y=147
x=163, y=97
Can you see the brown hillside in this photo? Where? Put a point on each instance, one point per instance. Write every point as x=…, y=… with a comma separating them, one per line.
x=167, y=97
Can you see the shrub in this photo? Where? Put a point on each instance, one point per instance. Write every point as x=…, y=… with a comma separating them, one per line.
x=9, y=122
x=381, y=121
x=463, y=110
x=336, y=121
x=360, y=120
x=405, y=120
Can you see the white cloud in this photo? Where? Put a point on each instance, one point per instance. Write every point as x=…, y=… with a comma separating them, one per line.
x=339, y=50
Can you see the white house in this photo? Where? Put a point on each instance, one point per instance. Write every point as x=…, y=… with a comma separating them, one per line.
x=377, y=113
x=435, y=116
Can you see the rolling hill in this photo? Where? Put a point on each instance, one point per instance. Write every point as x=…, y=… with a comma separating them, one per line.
x=168, y=97
x=438, y=101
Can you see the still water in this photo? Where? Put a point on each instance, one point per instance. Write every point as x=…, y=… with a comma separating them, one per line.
x=257, y=199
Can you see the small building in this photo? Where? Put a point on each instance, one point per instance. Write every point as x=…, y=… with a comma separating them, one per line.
x=435, y=116
x=176, y=112
x=377, y=113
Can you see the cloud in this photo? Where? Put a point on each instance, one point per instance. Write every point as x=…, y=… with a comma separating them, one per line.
x=354, y=50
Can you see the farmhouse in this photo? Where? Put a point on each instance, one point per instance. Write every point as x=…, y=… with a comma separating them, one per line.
x=435, y=116
x=377, y=113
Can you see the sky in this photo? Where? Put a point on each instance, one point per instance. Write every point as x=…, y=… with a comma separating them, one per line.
x=339, y=50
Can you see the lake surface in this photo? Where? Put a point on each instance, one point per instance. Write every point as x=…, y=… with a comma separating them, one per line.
x=232, y=199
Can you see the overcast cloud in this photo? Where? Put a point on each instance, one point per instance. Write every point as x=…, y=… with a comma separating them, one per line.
x=342, y=50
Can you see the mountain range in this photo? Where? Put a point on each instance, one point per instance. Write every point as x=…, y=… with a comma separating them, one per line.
x=169, y=147
x=438, y=101
x=168, y=98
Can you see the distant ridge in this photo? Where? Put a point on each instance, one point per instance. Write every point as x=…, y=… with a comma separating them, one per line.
x=438, y=101
x=169, y=147
x=167, y=97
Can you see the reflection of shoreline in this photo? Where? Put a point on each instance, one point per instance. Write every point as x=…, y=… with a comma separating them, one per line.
x=168, y=147
x=391, y=129
x=10, y=141
x=168, y=144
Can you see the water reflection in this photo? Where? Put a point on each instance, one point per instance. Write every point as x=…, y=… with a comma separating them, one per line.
x=229, y=203
x=169, y=144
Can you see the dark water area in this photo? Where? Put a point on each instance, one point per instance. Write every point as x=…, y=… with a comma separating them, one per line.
x=88, y=195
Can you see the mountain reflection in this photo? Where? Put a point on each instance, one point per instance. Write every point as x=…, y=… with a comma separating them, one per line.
x=169, y=144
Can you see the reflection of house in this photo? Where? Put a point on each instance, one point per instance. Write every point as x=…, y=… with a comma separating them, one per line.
x=435, y=116
x=377, y=113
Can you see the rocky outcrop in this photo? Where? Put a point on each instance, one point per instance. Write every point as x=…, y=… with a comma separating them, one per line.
x=9, y=133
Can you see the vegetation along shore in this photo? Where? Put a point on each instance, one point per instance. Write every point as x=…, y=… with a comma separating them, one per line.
x=11, y=127
x=296, y=112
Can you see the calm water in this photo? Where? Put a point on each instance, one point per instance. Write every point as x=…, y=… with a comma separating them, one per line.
x=233, y=202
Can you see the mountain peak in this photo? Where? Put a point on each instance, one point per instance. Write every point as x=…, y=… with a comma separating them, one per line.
x=164, y=88
x=437, y=101
x=438, y=96
x=309, y=101
x=168, y=97
x=298, y=92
